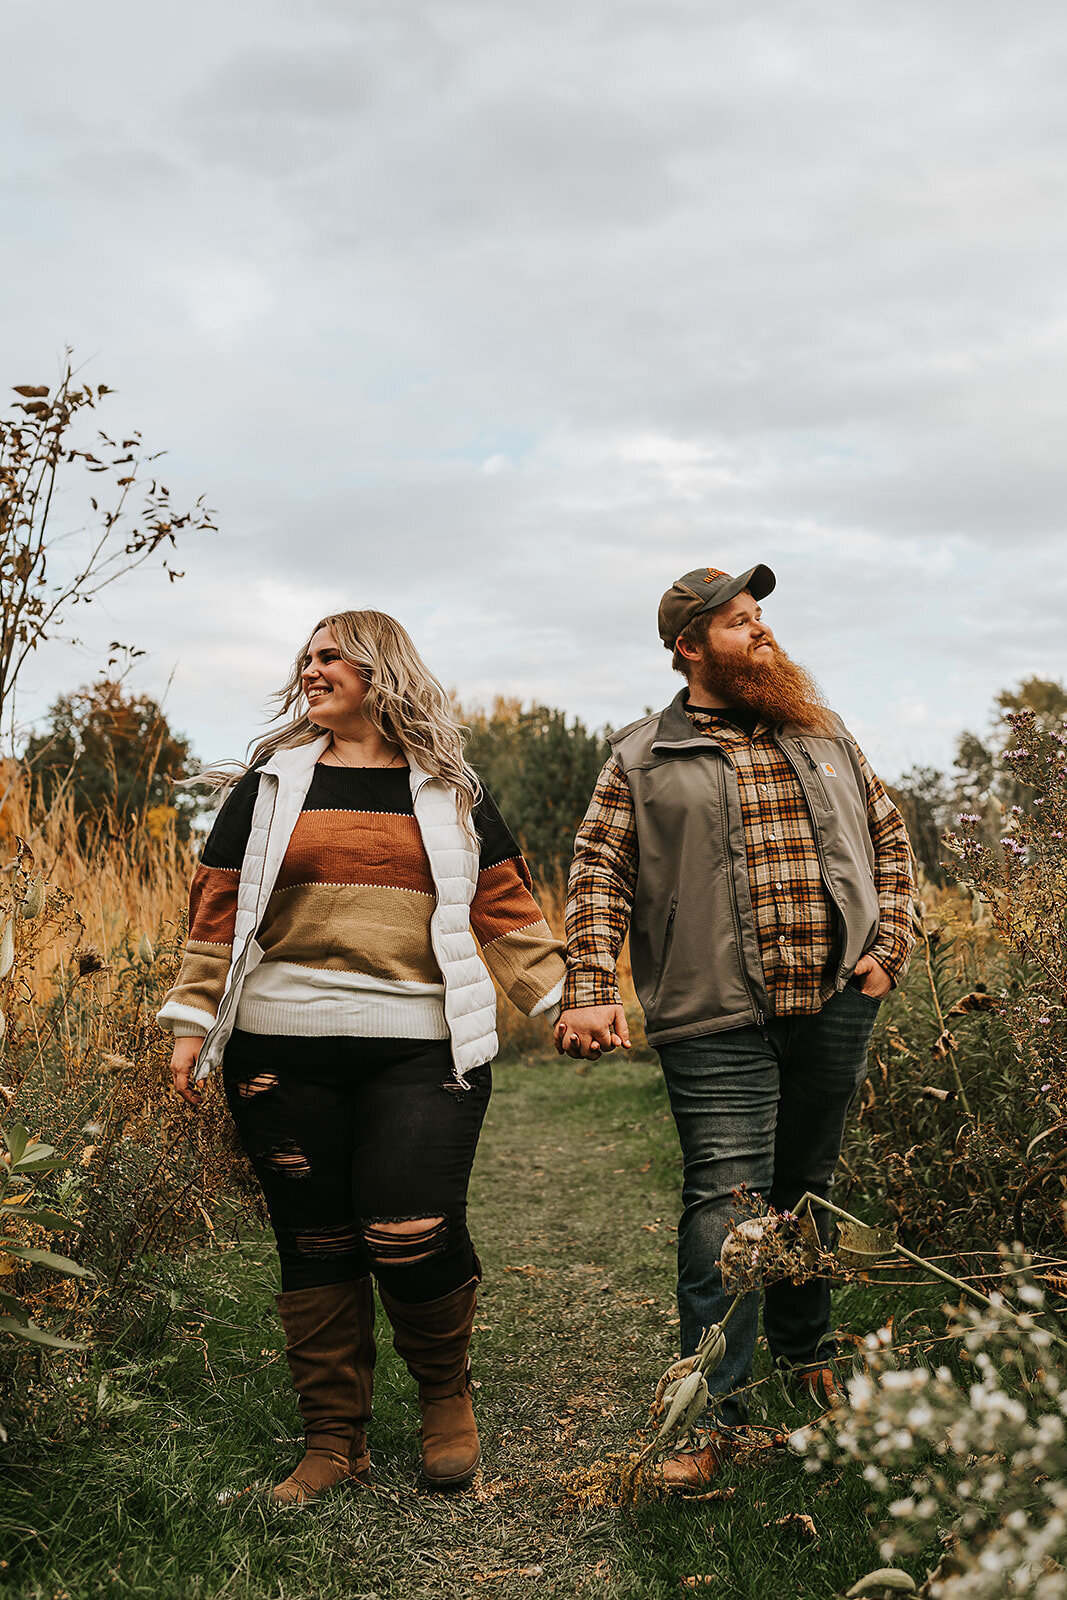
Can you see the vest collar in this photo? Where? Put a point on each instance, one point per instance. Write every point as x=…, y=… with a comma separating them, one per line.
x=297, y=761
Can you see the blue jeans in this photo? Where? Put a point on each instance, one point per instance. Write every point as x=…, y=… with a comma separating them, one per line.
x=762, y=1107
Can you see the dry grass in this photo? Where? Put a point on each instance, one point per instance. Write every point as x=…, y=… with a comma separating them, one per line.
x=124, y=883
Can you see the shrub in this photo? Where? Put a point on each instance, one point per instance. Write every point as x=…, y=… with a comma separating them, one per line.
x=977, y=1465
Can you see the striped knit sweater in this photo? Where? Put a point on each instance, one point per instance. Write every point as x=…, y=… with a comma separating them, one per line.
x=346, y=933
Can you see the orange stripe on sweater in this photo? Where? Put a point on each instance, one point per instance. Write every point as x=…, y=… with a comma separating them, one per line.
x=213, y=905
x=367, y=847
x=503, y=902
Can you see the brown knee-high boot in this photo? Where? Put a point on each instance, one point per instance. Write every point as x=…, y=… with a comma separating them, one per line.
x=433, y=1340
x=329, y=1345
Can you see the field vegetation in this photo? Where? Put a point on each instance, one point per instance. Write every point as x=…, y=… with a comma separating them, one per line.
x=141, y=1376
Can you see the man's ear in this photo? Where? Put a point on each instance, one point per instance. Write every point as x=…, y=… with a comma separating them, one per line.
x=691, y=652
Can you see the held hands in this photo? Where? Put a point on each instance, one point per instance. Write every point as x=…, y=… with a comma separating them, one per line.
x=587, y=1031
x=874, y=980
x=182, y=1064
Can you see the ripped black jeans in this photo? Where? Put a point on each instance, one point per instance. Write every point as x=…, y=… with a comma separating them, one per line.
x=348, y=1134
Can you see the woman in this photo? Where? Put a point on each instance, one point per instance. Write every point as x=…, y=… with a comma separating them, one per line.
x=331, y=967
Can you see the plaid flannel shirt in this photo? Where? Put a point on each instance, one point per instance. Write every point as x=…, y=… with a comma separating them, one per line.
x=794, y=914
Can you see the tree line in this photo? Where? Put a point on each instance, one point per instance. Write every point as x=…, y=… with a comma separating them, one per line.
x=119, y=759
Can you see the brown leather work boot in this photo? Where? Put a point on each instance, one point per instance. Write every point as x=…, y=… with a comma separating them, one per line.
x=433, y=1339
x=329, y=1345
x=689, y=1471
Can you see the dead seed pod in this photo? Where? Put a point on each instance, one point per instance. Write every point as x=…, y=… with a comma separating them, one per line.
x=687, y=1404
x=740, y=1256
x=145, y=952
x=7, y=948
x=886, y=1581
x=711, y=1348
x=669, y=1381
x=33, y=899
x=3, y=1026
x=116, y=1064
x=767, y=1249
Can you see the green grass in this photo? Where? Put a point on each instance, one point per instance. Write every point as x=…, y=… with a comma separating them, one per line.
x=115, y=1491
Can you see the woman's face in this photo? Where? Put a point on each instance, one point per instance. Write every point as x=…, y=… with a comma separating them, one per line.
x=334, y=689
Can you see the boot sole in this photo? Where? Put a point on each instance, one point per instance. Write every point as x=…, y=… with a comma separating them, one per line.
x=461, y=1480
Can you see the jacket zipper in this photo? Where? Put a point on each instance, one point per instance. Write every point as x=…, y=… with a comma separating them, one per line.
x=728, y=856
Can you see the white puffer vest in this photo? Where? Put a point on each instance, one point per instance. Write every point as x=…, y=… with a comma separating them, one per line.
x=470, y=999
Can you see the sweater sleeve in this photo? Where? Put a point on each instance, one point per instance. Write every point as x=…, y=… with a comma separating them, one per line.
x=519, y=947
x=192, y=1004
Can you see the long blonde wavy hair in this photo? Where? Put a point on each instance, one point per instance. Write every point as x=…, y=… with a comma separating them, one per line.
x=404, y=702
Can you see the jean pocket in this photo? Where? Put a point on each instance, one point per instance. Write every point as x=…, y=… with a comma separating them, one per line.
x=871, y=999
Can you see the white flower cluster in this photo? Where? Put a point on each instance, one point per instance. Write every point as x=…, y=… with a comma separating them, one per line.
x=982, y=1466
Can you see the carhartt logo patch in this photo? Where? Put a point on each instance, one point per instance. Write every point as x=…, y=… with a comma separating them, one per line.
x=831, y=772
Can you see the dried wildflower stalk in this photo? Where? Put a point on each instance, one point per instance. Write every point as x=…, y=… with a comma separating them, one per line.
x=859, y=1245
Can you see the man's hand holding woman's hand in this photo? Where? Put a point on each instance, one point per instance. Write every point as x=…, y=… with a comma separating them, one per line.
x=588, y=1031
x=182, y=1065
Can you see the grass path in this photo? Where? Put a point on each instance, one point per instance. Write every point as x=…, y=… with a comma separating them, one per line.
x=573, y=1205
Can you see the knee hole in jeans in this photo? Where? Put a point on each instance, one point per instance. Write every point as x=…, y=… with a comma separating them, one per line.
x=401, y=1242
x=262, y=1083
x=287, y=1159
x=338, y=1241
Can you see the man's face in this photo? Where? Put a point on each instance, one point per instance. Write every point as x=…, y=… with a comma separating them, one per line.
x=741, y=665
x=738, y=641
x=737, y=632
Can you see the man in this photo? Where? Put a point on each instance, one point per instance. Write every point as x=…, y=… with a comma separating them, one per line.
x=766, y=880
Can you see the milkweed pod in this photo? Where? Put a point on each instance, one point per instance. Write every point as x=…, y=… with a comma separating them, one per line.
x=686, y=1404
x=887, y=1580
x=145, y=951
x=7, y=948
x=711, y=1348
x=33, y=900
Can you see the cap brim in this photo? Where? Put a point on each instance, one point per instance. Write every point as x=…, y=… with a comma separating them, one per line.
x=758, y=580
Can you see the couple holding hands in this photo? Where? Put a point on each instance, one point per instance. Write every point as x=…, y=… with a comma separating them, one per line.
x=332, y=970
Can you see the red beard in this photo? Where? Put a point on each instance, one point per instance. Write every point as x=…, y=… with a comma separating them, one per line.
x=777, y=690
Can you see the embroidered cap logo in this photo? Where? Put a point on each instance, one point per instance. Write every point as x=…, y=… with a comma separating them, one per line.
x=714, y=573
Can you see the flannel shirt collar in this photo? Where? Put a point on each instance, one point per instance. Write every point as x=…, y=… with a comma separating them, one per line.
x=677, y=733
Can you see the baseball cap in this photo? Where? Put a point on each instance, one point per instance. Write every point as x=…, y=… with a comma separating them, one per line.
x=702, y=590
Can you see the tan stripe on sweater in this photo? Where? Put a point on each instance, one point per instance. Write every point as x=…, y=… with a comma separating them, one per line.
x=352, y=928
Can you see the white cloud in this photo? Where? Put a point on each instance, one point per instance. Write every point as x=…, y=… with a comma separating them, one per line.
x=501, y=317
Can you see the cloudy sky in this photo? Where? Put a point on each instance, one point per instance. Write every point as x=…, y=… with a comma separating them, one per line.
x=499, y=316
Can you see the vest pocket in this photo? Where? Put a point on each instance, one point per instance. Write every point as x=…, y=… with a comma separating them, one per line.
x=668, y=935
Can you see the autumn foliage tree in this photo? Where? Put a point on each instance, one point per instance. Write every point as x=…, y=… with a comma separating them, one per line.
x=117, y=756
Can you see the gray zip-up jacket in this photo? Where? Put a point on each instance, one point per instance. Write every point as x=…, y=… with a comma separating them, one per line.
x=693, y=944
